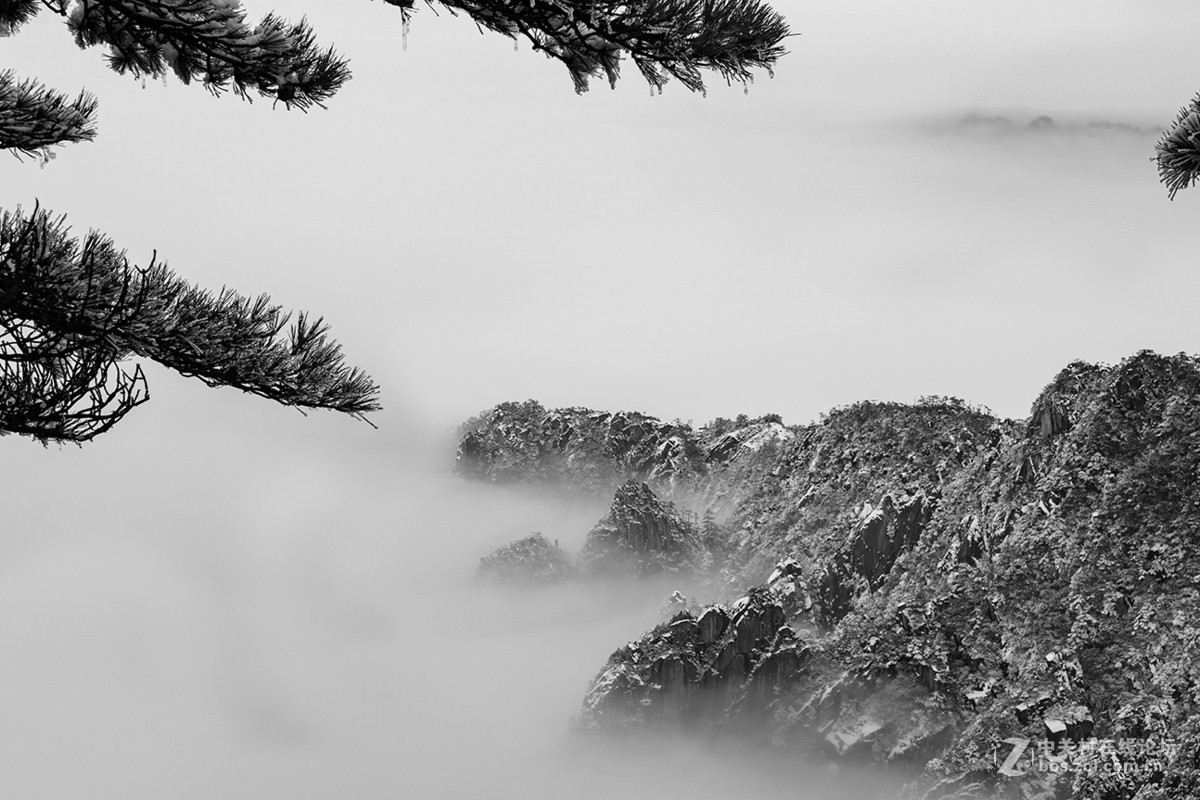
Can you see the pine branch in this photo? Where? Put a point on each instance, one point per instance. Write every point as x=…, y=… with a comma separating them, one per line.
x=15, y=13
x=33, y=118
x=55, y=392
x=211, y=42
x=1179, y=150
x=664, y=38
x=88, y=307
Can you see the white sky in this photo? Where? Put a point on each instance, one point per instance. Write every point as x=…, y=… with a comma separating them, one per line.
x=477, y=233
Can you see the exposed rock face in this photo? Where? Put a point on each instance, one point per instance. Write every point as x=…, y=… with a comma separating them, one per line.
x=578, y=449
x=720, y=669
x=593, y=452
x=877, y=539
x=533, y=559
x=712, y=624
x=641, y=535
x=748, y=439
x=943, y=581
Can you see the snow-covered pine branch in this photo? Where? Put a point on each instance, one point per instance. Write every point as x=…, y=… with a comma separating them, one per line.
x=664, y=38
x=205, y=41
x=209, y=41
x=34, y=118
x=71, y=310
x=15, y=13
x=1179, y=150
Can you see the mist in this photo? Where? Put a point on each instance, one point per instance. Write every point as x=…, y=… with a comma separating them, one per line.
x=783, y=251
x=221, y=598
x=224, y=599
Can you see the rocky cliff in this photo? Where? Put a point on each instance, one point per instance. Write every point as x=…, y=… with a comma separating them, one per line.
x=533, y=559
x=591, y=453
x=642, y=535
x=577, y=449
x=926, y=586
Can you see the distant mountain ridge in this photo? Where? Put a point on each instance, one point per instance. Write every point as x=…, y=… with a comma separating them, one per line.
x=591, y=453
x=915, y=584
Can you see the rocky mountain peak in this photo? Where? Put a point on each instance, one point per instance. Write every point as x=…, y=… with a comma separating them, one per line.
x=642, y=534
x=915, y=585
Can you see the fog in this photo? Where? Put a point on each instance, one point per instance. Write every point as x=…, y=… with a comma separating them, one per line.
x=475, y=232
x=221, y=598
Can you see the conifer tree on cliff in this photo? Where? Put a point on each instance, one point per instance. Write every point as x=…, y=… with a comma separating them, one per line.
x=74, y=310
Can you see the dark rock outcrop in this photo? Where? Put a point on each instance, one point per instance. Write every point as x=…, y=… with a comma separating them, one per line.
x=533, y=559
x=641, y=535
x=721, y=669
x=877, y=539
